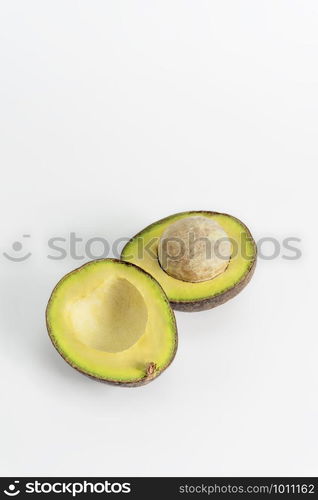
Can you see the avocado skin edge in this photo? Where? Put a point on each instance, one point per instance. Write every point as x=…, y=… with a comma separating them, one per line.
x=136, y=383
x=217, y=300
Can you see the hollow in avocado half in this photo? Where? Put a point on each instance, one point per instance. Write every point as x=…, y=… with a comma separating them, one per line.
x=112, y=321
x=200, y=258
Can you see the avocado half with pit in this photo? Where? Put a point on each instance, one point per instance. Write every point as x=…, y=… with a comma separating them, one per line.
x=200, y=258
x=112, y=321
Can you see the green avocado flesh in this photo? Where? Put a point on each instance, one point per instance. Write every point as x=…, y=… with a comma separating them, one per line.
x=112, y=321
x=142, y=250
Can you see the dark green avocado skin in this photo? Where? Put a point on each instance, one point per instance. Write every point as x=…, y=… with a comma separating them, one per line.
x=217, y=300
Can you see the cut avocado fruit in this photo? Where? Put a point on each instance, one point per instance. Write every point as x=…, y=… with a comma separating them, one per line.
x=112, y=321
x=192, y=279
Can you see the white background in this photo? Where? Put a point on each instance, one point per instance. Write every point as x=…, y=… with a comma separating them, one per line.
x=114, y=114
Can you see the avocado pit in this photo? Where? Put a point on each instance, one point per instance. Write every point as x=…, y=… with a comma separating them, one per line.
x=194, y=249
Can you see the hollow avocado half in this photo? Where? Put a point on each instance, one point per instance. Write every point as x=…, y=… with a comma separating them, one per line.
x=112, y=321
x=142, y=250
